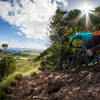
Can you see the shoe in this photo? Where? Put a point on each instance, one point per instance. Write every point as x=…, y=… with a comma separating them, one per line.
x=93, y=62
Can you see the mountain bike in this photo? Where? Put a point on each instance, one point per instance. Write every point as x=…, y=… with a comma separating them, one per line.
x=80, y=59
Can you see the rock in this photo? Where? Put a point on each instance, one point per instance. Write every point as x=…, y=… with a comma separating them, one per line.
x=54, y=86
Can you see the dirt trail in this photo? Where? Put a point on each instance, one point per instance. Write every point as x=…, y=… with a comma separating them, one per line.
x=48, y=85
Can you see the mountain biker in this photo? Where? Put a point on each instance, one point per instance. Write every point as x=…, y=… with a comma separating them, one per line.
x=90, y=40
x=94, y=41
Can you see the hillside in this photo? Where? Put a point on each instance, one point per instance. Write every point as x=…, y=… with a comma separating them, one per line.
x=24, y=67
x=23, y=55
x=57, y=85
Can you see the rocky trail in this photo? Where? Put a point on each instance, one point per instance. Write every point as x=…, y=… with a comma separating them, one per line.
x=55, y=85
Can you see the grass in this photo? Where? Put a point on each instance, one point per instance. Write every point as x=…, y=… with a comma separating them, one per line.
x=28, y=73
x=25, y=67
x=50, y=67
x=23, y=55
x=6, y=85
x=23, y=58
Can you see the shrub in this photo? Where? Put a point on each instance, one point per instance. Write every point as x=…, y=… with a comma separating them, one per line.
x=7, y=66
x=33, y=74
x=18, y=76
x=42, y=54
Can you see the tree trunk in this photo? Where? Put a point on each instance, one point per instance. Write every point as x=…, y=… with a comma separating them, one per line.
x=3, y=53
x=59, y=66
x=59, y=58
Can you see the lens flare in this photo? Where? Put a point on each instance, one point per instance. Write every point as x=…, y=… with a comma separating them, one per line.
x=86, y=8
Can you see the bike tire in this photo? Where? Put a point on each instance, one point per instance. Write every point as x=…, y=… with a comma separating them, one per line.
x=74, y=65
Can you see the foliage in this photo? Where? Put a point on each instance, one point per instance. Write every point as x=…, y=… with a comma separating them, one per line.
x=0, y=51
x=7, y=84
x=7, y=66
x=42, y=54
x=5, y=45
x=18, y=76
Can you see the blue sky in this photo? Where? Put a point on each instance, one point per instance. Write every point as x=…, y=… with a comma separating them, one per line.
x=8, y=34
x=26, y=24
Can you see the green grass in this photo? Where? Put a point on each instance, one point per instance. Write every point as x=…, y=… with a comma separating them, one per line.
x=50, y=67
x=24, y=55
x=27, y=67
x=23, y=58
x=6, y=85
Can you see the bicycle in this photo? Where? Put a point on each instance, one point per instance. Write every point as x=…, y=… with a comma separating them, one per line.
x=80, y=59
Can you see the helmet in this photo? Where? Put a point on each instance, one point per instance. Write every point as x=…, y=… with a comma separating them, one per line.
x=77, y=32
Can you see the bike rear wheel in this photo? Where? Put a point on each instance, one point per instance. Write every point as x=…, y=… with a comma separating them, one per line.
x=74, y=64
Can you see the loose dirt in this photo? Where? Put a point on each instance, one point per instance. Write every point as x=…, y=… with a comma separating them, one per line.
x=57, y=85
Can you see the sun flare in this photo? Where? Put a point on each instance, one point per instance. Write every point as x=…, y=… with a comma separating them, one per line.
x=86, y=8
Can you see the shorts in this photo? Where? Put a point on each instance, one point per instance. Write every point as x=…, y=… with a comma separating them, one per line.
x=94, y=41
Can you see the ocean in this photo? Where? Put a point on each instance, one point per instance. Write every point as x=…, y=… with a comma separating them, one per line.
x=22, y=49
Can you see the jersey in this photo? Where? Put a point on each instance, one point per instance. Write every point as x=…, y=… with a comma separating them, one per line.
x=83, y=36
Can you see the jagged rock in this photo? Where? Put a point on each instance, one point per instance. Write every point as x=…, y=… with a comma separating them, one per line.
x=54, y=86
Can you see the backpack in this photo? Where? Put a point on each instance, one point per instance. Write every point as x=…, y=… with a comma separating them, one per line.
x=97, y=33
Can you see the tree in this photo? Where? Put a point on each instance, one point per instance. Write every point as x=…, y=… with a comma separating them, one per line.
x=58, y=29
x=1, y=52
x=5, y=46
x=7, y=66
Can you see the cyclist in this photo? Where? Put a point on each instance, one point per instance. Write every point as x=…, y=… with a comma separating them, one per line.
x=90, y=40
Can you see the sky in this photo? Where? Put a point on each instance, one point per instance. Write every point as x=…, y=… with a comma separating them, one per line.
x=25, y=23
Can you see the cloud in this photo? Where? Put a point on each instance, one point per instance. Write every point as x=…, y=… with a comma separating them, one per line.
x=31, y=17
x=19, y=33
x=64, y=2
x=28, y=44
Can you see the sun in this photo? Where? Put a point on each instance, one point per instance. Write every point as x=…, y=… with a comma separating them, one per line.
x=86, y=8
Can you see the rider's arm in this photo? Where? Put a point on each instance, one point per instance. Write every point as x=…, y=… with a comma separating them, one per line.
x=74, y=37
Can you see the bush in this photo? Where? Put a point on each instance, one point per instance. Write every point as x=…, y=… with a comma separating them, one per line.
x=18, y=76
x=42, y=54
x=7, y=66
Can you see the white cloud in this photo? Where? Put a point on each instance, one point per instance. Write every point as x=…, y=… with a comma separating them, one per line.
x=30, y=18
x=64, y=2
x=19, y=33
x=28, y=44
